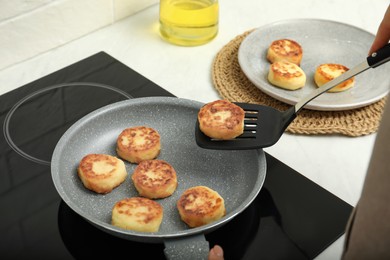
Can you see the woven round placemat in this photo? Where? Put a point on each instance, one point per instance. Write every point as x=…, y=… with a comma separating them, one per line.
x=232, y=84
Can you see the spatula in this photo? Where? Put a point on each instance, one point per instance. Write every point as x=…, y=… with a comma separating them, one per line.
x=264, y=125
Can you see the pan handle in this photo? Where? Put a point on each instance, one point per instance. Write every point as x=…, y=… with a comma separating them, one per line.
x=190, y=247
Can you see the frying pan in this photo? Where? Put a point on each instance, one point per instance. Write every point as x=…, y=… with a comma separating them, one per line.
x=237, y=176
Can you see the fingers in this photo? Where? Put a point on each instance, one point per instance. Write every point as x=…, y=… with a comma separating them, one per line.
x=383, y=35
x=216, y=253
x=381, y=38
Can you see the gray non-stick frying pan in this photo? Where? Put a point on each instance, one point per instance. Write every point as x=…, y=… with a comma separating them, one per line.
x=237, y=176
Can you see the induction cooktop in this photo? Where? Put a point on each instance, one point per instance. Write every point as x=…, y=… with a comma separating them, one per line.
x=289, y=219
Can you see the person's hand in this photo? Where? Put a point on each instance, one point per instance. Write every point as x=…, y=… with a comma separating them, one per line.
x=216, y=253
x=383, y=35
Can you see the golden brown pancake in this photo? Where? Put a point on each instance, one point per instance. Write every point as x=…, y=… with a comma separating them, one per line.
x=286, y=75
x=328, y=71
x=101, y=173
x=285, y=50
x=200, y=205
x=154, y=179
x=221, y=119
x=139, y=143
x=138, y=214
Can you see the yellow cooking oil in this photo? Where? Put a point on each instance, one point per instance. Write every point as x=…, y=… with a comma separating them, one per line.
x=189, y=22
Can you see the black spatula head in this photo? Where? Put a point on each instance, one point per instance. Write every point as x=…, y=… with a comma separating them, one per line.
x=263, y=127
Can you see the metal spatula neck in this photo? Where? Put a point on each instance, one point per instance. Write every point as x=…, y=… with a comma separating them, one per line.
x=288, y=116
x=343, y=77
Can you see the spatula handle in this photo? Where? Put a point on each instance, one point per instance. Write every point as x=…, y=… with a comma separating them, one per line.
x=330, y=84
x=376, y=59
x=379, y=57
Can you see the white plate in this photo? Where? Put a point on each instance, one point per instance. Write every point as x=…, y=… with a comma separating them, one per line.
x=322, y=41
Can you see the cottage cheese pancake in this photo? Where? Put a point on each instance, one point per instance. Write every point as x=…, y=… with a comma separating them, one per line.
x=285, y=50
x=138, y=214
x=286, y=75
x=101, y=173
x=154, y=179
x=221, y=119
x=139, y=143
x=200, y=205
x=328, y=71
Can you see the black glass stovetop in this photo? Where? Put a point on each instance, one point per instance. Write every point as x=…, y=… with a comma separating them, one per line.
x=292, y=217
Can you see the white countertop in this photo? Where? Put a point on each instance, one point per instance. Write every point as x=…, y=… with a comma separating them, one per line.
x=337, y=163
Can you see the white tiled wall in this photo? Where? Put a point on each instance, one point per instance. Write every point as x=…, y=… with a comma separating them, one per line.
x=31, y=27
